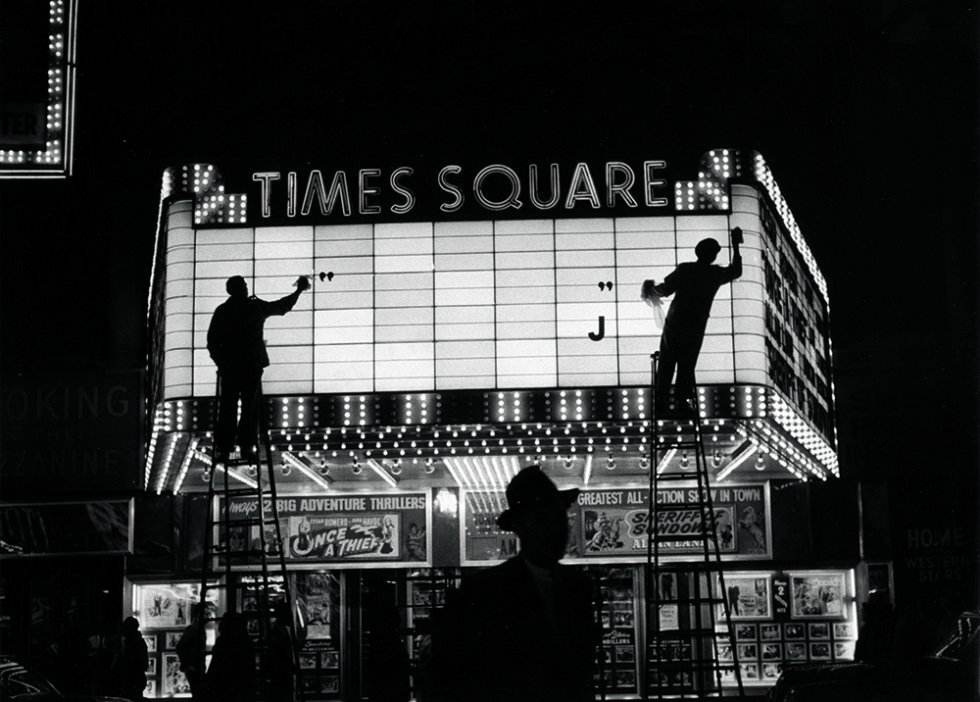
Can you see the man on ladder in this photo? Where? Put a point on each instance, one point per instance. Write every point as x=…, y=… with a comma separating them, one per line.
x=695, y=285
x=237, y=346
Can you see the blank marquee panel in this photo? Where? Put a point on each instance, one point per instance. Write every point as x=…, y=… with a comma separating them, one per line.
x=428, y=306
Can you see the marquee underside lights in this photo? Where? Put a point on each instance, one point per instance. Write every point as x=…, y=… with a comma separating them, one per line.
x=37, y=137
x=470, y=442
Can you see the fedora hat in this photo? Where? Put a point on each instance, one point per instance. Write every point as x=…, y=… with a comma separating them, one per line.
x=530, y=488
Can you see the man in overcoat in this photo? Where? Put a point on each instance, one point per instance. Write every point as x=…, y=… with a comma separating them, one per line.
x=524, y=630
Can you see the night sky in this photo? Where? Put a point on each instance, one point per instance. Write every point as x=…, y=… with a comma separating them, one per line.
x=866, y=113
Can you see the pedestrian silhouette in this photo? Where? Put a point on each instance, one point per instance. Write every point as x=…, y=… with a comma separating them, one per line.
x=131, y=661
x=523, y=630
x=693, y=285
x=231, y=675
x=281, y=661
x=190, y=651
x=876, y=639
x=237, y=346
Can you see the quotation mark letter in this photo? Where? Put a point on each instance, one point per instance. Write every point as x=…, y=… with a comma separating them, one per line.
x=603, y=285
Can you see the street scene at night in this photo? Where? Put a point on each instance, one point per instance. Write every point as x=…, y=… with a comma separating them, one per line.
x=489, y=351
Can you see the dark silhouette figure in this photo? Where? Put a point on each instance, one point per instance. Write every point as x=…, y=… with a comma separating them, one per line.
x=132, y=661
x=190, y=651
x=281, y=661
x=386, y=666
x=231, y=675
x=876, y=639
x=523, y=630
x=694, y=285
x=237, y=346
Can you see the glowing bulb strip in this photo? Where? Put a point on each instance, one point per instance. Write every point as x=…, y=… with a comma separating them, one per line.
x=301, y=466
x=662, y=466
x=238, y=476
x=382, y=473
x=797, y=427
x=453, y=473
x=168, y=461
x=62, y=31
x=468, y=481
x=737, y=461
x=764, y=176
x=587, y=472
x=191, y=452
x=151, y=452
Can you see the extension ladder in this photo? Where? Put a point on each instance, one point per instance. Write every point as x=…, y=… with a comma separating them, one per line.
x=687, y=657
x=244, y=533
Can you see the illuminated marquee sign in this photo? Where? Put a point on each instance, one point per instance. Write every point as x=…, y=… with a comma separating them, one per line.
x=494, y=188
x=494, y=277
x=428, y=306
x=37, y=93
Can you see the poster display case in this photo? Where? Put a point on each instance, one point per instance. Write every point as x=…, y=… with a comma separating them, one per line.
x=164, y=612
x=426, y=593
x=618, y=673
x=318, y=606
x=781, y=619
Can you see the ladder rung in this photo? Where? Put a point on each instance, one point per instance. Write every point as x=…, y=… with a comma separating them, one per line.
x=676, y=476
x=248, y=521
x=682, y=506
x=665, y=446
x=690, y=567
x=234, y=492
x=686, y=601
x=681, y=634
x=240, y=553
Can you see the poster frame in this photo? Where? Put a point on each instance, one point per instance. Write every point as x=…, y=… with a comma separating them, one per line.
x=293, y=565
x=635, y=559
x=840, y=580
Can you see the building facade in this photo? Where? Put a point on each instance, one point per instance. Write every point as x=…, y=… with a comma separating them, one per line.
x=464, y=323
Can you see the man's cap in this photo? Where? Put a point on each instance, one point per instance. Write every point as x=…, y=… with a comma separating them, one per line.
x=236, y=285
x=707, y=247
x=531, y=488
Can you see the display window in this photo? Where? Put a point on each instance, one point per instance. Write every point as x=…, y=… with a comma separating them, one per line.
x=163, y=610
x=318, y=607
x=797, y=617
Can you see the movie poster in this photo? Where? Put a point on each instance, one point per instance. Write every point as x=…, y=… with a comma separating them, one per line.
x=349, y=528
x=614, y=521
x=318, y=599
x=167, y=605
x=174, y=681
x=818, y=595
x=748, y=595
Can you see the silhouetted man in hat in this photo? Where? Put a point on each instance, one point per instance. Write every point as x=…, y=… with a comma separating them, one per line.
x=524, y=630
x=693, y=285
x=237, y=346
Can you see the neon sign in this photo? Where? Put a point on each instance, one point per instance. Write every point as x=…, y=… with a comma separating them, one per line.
x=493, y=188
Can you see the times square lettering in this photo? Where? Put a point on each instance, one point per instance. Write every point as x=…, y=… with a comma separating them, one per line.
x=541, y=188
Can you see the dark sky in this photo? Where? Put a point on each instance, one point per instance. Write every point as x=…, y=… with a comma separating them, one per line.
x=865, y=111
